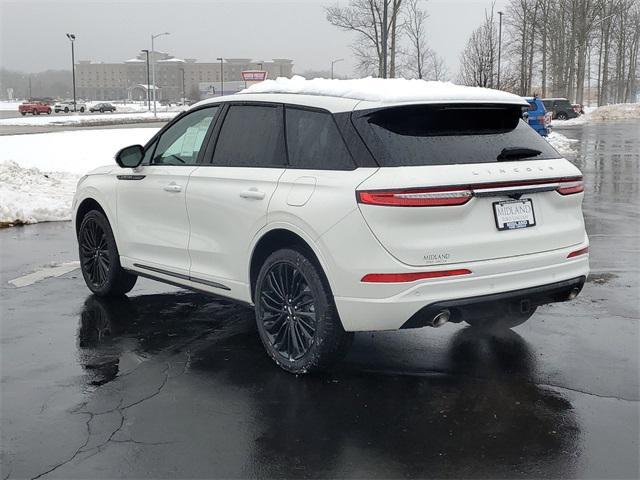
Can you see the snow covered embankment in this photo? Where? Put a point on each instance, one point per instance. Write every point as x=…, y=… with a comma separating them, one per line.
x=618, y=111
x=30, y=196
x=564, y=145
x=39, y=172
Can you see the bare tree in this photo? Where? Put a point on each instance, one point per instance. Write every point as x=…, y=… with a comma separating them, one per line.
x=366, y=18
x=477, y=60
x=418, y=52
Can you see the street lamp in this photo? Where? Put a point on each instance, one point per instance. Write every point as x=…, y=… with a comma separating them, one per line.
x=146, y=50
x=499, y=47
x=221, y=75
x=72, y=39
x=153, y=68
x=182, y=99
x=333, y=62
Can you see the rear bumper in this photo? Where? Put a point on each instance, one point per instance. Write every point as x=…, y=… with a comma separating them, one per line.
x=515, y=301
x=551, y=280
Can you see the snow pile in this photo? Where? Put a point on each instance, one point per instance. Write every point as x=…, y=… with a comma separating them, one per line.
x=9, y=105
x=39, y=172
x=561, y=143
x=618, y=111
x=384, y=90
x=28, y=195
x=70, y=151
x=88, y=119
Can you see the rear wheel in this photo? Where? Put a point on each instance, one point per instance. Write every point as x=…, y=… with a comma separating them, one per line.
x=66, y=109
x=297, y=320
x=99, y=257
x=23, y=113
x=81, y=109
x=501, y=321
x=102, y=110
x=562, y=116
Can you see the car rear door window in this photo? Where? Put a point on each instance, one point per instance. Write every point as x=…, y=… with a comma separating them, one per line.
x=251, y=136
x=180, y=144
x=447, y=135
x=314, y=142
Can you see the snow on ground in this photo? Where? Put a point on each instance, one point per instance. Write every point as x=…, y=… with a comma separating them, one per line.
x=86, y=119
x=9, y=105
x=618, y=111
x=39, y=172
x=383, y=90
x=562, y=144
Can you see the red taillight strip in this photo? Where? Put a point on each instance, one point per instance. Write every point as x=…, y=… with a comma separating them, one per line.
x=582, y=251
x=411, y=277
x=461, y=194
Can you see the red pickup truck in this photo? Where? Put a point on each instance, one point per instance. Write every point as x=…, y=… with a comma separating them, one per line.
x=36, y=108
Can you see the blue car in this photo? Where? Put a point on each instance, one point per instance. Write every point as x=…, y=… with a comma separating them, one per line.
x=537, y=116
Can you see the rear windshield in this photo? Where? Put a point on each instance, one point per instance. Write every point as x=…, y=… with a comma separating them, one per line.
x=446, y=135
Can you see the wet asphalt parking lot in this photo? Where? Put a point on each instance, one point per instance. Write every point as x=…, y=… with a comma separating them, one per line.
x=173, y=384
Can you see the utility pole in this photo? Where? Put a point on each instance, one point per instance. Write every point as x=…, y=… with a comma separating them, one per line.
x=72, y=39
x=333, y=62
x=384, y=32
x=182, y=99
x=153, y=68
x=30, y=96
x=499, y=47
x=146, y=50
x=221, y=75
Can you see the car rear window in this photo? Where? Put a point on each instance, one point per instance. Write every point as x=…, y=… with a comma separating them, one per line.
x=447, y=135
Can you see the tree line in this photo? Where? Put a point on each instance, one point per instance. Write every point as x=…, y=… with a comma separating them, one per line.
x=584, y=50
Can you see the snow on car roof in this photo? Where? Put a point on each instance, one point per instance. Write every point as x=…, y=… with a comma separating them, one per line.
x=385, y=91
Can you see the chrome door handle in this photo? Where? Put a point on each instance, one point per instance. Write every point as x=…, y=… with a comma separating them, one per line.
x=252, y=193
x=172, y=187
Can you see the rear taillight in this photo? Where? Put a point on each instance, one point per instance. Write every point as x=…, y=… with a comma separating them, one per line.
x=416, y=198
x=577, y=253
x=411, y=277
x=570, y=187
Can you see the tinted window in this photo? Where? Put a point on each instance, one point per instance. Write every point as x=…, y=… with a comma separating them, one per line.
x=182, y=141
x=251, y=136
x=314, y=142
x=148, y=153
x=442, y=135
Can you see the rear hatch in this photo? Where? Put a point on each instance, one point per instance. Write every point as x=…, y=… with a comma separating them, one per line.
x=462, y=183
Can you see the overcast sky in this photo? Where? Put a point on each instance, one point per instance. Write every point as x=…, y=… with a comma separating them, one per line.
x=32, y=32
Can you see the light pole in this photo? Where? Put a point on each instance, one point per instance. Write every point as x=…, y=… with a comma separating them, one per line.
x=153, y=68
x=221, y=75
x=146, y=50
x=333, y=62
x=72, y=39
x=499, y=47
x=182, y=99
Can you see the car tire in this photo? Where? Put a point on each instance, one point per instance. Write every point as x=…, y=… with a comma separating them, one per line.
x=49, y=112
x=562, y=116
x=501, y=321
x=99, y=258
x=296, y=315
x=66, y=109
x=34, y=112
x=23, y=113
x=102, y=110
x=81, y=109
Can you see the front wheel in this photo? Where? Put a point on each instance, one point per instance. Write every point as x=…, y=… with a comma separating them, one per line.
x=562, y=116
x=99, y=258
x=81, y=109
x=23, y=113
x=296, y=316
x=66, y=109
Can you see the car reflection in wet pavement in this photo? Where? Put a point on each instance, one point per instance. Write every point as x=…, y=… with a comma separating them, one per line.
x=173, y=384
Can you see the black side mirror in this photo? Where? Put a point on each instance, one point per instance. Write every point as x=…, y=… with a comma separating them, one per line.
x=130, y=157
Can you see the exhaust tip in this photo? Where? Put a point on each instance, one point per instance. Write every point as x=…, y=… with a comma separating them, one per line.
x=440, y=318
x=573, y=294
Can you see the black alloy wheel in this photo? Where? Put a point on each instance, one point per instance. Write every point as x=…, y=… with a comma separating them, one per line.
x=288, y=311
x=94, y=253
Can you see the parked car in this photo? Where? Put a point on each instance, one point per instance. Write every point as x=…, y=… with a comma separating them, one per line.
x=537, y=116
x=560, y=108
x=67, y=106
x=102, y=107
x=35, y=108
x=331, y=215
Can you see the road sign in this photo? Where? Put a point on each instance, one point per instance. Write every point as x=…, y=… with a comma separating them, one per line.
x=254, y=75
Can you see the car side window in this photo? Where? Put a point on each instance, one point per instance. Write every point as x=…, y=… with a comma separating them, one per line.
x=314, y=141
x=148, y=153
x=182, y=141
x=251, y=136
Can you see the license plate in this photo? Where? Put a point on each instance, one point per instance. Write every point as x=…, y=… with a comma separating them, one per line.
x=514, y=214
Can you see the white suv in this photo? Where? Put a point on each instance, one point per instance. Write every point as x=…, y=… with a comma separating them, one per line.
x=335, y=214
